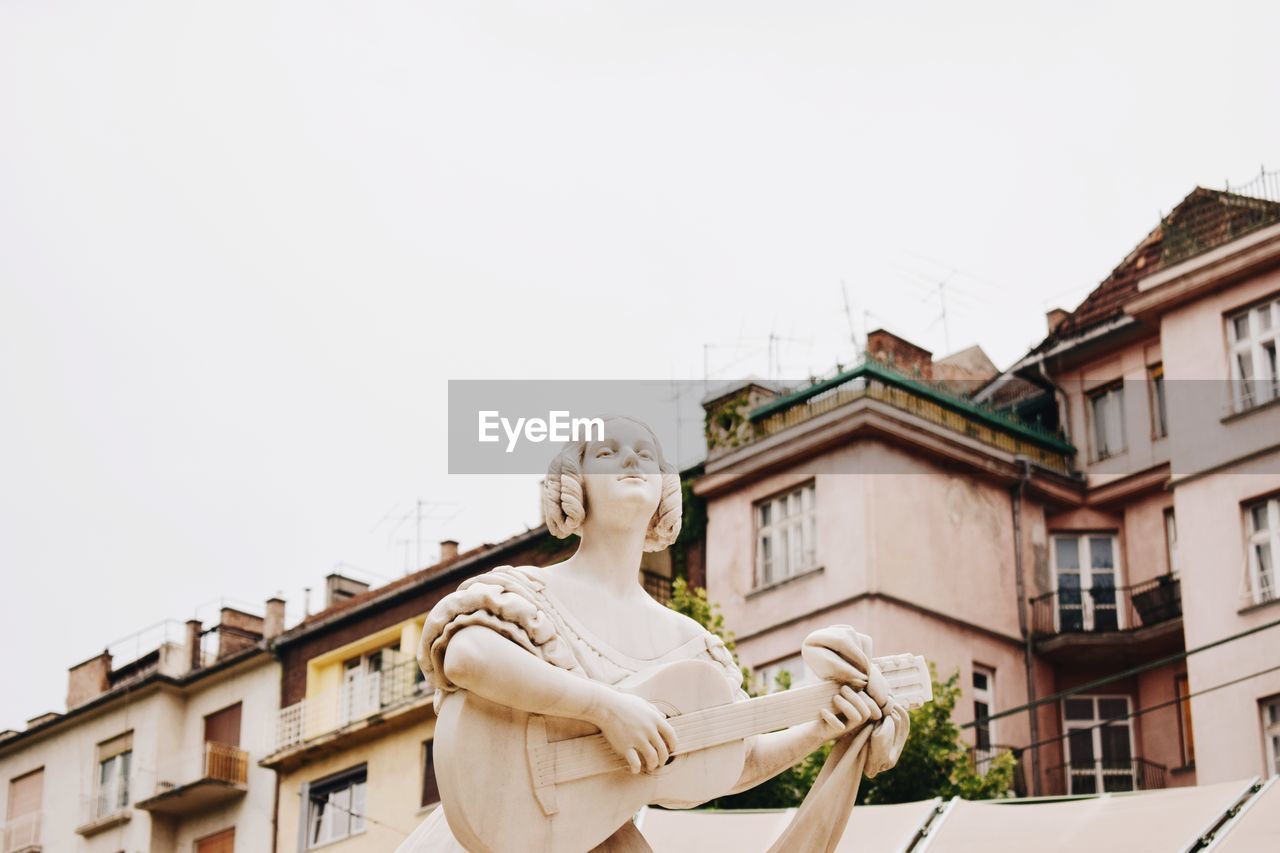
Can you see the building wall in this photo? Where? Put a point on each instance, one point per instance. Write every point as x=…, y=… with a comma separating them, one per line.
x=1128, y=364
x=1227, y=722
x=394, y=765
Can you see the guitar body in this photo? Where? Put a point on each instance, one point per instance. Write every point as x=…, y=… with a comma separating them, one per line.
x=497, y=766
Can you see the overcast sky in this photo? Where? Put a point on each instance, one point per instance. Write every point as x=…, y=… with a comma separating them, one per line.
x=244, y=246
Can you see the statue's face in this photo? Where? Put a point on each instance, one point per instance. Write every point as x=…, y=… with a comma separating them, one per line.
x=621, y=474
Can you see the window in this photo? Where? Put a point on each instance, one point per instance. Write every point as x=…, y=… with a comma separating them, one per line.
x=1107, y=409
x=781, y=675
x=1252, y=336
x=984, y=703
x=113, y=784
x=785, y=535
x=1085, y=571
x=1271, y=733
x=430, y=788
x=1099, y=757
x=1182, y=690
x=1171, y=539
x=336, y=807
x=362, y=682
x=1262, y=523
x=1159, y=412
x=22, y=819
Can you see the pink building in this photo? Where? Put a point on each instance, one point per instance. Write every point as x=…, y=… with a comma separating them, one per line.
x=1053, y=535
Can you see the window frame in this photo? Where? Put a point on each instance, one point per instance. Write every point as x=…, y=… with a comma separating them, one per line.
x=1264, y=389
x=1270, y=734
x=985, y=695
x=1083, y=556
x=804, y=521
x=326, y=788
x=1094, y=727
x=1113, y=390
x=1157, y=401
x=1253, y=538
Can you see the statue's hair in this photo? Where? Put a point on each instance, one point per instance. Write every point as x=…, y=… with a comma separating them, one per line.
x=564, y=499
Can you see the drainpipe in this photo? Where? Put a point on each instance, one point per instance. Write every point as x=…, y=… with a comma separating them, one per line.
x=1028, y=659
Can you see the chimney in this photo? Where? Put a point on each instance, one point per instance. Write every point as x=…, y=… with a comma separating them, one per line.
x=899, y=353
x=338, y=588
x=1054, y=318
x=195, y=630
x=237, y=630
x=273, y=624
x=88, y=680
x=448, y=550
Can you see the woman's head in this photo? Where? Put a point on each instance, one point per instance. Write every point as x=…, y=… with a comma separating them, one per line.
x=621, y=479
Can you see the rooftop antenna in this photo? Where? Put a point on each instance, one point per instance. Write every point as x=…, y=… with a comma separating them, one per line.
x=848, y=315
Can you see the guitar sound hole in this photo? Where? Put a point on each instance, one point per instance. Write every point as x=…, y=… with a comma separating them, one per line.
x=670, y=758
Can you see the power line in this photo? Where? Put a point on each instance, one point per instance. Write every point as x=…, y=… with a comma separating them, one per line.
x=1138, y=713
x=1098, y=682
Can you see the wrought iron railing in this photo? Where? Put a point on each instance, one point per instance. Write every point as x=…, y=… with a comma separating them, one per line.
x=1103, y=776
x=1105, y=609
x=22, y=832
x=658, y=586
x=354, y=701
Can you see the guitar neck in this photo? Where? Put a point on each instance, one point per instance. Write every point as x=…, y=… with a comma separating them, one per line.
x=907, y=675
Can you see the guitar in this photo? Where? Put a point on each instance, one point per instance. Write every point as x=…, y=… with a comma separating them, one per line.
x=511, y=781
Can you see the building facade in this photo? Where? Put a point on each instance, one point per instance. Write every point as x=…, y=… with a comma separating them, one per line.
x=156, y=752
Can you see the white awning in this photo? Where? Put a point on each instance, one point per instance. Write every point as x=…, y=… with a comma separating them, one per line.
x=1171, y=819
x=1257, y=829
x=871, y=828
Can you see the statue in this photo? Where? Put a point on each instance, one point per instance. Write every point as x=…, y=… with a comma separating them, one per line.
x=567, y=698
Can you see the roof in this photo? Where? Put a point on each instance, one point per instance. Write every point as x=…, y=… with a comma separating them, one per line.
x=436, y=572
x=1204, y=219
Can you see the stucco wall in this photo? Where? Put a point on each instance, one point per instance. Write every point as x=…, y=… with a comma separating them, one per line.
x=394, y=766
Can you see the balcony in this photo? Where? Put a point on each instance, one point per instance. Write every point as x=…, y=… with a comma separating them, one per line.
x=1109, y=624
x=108, y=808
x=22, y=833
x=223, y=776
x=349, y=712
x=1103, y=777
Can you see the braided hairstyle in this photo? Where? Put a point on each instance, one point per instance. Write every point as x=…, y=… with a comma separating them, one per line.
x=564, y=500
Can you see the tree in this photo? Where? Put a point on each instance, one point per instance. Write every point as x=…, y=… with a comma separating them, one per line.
x=934, y=762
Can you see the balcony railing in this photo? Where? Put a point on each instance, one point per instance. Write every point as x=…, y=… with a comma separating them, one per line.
x=222, y=775
x=1104, y=609
x=108, y=806
x=1104, y=776
x=22, y=833
x=357, y=699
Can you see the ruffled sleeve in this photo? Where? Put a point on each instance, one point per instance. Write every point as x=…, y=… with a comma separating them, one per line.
x=502, y=600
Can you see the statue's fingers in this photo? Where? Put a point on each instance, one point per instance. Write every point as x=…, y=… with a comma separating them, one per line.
x=668, y=733
x=650, y=756
x=873, y=708
x=831, y=721
x=633, y=760
x=853, y=715
x=660, y=747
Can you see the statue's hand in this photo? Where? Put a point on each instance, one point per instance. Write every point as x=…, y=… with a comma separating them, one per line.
x=849, y=709
x=837, y=653
x=635, y=729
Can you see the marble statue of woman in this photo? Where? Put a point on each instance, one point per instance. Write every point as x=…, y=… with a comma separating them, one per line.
x=551, y=641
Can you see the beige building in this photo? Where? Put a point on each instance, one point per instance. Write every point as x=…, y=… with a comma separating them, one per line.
x=155, y=752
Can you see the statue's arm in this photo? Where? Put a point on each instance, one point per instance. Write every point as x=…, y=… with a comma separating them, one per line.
x=487, y=664
x=770, y=754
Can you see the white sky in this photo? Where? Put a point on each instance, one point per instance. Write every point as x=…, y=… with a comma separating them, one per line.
x=244, y=246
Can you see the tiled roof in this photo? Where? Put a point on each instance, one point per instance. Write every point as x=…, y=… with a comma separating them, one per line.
x=1204, y=219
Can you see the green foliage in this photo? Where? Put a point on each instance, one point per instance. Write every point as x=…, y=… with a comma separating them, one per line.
x=934, y=762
